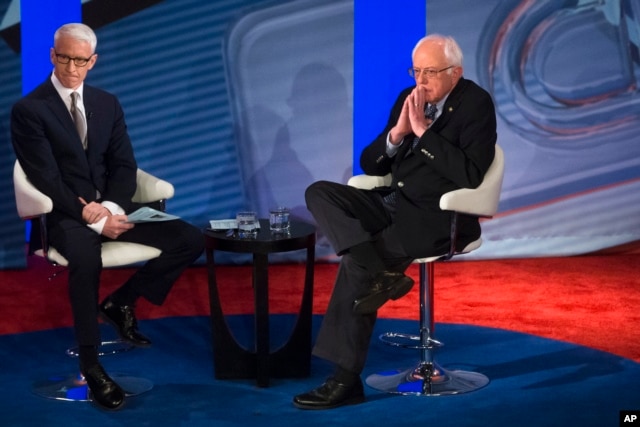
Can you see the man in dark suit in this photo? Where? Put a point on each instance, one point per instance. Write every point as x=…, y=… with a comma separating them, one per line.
x=85, y=163
x=440, y=136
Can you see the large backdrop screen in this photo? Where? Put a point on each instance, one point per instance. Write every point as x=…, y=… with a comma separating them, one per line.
x=242, y=104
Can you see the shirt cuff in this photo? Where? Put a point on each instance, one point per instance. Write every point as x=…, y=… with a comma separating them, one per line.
x=114, y=208
x=392, y=149
x=98, y=226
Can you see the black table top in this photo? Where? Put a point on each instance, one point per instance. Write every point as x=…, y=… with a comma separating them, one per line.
x=301, y=235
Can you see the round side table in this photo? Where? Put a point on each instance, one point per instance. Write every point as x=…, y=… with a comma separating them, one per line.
x=293, y=359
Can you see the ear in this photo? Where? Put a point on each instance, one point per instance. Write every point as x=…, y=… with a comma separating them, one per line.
x=456, y=74
x=92, y=61
x=52, y=56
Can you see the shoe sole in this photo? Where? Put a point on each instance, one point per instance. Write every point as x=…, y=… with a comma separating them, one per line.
x=99, y=405
x=371, y=303
x=352, y=401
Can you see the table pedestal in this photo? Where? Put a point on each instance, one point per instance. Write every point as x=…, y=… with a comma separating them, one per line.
x=293, y=359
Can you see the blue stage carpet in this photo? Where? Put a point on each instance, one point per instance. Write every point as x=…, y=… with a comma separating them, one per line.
x=534, y=382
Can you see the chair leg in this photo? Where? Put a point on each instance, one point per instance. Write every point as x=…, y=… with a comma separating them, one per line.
x=427, y=378
x=427, y=322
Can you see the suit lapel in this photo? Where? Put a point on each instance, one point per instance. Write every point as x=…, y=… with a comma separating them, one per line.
x=450, y=105
x=60, y=111
x=89, y=108
x=58, y=108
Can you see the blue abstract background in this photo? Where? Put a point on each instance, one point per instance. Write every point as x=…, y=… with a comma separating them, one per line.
x=242, y=104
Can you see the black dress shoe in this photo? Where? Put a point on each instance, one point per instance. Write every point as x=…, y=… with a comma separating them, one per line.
x=330, y=395
x=123, y=318
x=386, y=285
x=102, y=389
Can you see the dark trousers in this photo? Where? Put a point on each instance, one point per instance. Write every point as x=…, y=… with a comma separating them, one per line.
x=181, y=244
x=349, y=216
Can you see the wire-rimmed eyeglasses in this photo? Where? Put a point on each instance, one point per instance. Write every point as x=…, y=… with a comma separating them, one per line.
x=426, y=72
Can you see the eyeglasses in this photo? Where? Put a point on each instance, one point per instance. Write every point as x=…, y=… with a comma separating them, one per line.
x=426, y=72
x=79, y=62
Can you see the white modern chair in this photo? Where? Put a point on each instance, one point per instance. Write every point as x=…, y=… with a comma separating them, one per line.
x=34, y=205
x=428, y=378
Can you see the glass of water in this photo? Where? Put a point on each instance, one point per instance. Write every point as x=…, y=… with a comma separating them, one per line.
x=279, y=220
x=247, y=224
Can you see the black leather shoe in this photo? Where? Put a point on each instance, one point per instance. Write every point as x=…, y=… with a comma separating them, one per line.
x=102, y=389
x=123, y=318
x=386, y=285
x=330, y=395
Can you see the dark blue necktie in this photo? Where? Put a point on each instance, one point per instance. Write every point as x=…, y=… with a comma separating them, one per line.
x=429, y=113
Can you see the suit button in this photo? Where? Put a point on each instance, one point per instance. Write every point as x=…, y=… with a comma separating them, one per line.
x=400, y=184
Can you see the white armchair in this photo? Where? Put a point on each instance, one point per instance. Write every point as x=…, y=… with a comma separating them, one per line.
x=428, y=378
x=33, y=204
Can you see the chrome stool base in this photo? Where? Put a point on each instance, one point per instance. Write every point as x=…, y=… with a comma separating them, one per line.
x=427, y=379
x=74, y=387
x=105, y=348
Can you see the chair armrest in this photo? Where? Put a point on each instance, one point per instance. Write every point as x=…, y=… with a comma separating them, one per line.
x=30, y=202
x=469, y=201
x=151, y=188
x=482, y=201
x=367, y=182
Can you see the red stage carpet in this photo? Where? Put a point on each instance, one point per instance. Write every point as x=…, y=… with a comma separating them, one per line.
x=589, y=300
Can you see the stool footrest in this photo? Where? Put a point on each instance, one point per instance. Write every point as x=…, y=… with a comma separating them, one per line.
x=412, y=341
x=105, y=348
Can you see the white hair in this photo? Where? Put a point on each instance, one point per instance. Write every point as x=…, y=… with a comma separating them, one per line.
x=452, y=51
x=77, y=31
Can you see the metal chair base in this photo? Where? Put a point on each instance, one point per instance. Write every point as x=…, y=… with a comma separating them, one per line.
x=74, y=387
x=105, y=348
x=427, y=379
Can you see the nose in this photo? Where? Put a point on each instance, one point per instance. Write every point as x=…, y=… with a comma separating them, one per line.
x=421, y=79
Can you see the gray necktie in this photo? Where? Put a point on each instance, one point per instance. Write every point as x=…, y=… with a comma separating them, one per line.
x=81, y=126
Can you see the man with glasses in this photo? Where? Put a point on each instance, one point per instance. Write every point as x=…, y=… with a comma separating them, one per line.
x=71, y=140
x=440, y=136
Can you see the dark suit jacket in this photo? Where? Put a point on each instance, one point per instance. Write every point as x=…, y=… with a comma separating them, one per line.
x=51, y=153
x=454, y=153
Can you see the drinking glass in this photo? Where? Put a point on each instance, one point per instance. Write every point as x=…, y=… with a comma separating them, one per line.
x=279, y=220
x=247, y=224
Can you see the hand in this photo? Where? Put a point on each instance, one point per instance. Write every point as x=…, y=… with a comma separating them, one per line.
x=416, y=104
x=115, y=226
x=403, y=126
x=93, y=212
